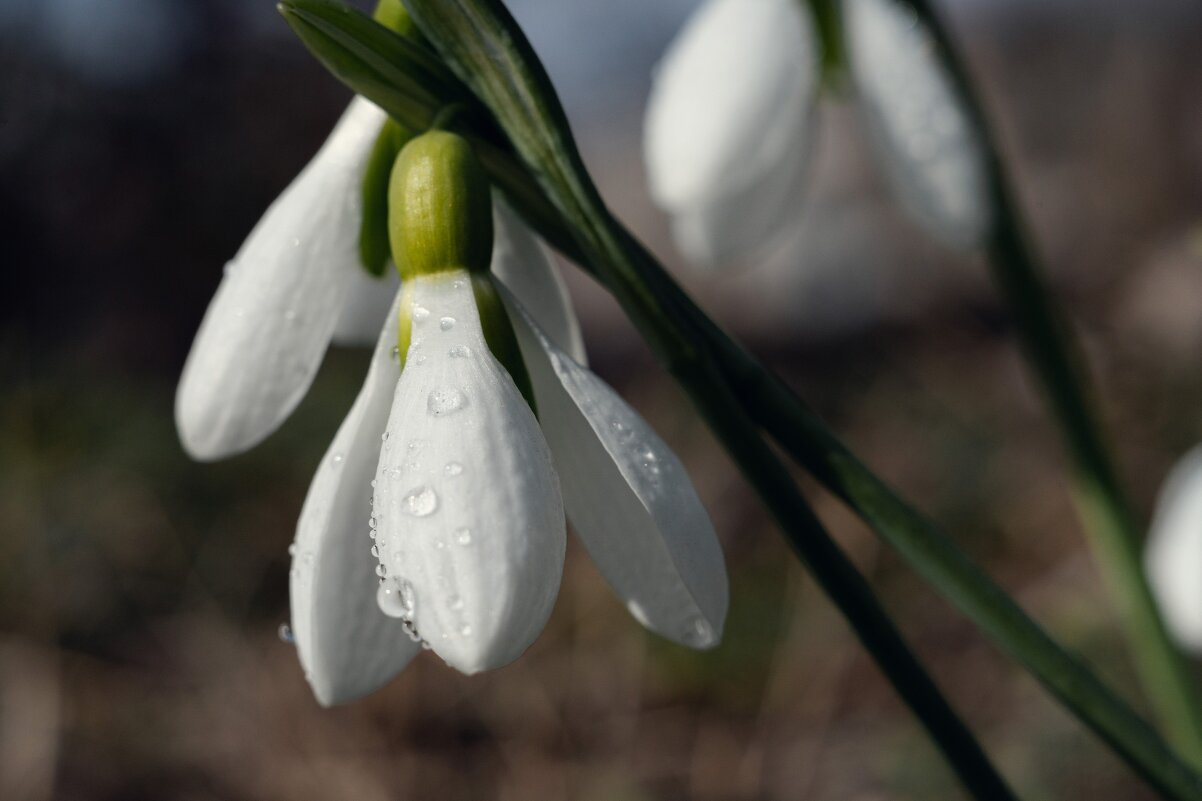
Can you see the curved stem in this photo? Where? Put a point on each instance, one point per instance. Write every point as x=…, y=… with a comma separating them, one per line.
x=1049, y=346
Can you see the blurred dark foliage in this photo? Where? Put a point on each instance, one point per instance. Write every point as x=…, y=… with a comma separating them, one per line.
x=139, y=593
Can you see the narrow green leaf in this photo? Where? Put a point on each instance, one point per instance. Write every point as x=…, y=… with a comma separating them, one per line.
x=374, y=249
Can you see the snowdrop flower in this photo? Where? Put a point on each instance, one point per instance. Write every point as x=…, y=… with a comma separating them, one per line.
x=729, y=124
x=468, y=487
x=296, y=284
x=1174, y=553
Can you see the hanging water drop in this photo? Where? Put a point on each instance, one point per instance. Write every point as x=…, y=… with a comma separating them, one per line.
x=453, y=468
x=285, y=633
x=698, y=633
x=396, y=599
x=420, y=313
x=446, y=323
x=463, y=536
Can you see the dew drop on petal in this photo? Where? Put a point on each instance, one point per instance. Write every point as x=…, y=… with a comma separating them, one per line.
x=292, y=549
x=285, y=633
x=458, y=284
x=375, y=551
x=381, y=571
x=419, y=502
x=446, y=323
x=420, y=313
x=698, y=633
x=337, y=459
x=453, y=468
x=463, y=536
x=459, y=352
x=395, y=599
x=396, y=353
x=445, y=401
x=394, y=472
x=465, y=630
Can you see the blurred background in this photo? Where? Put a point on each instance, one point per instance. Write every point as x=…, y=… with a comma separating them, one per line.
x=140, y=593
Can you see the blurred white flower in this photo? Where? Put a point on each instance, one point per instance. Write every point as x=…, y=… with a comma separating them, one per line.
x=295, y=284
x=729, y=124
x=1174, y=552
x=466, y=519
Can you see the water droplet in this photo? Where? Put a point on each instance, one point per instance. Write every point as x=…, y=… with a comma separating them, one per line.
x=463, y=536
x=375, y=551
x=453, y=468
x=337, y=459
x=292, y=549
x=285, y=633
x=445, y=401
x=454, y=603
x=420, y=313
x=396, y=599
x=372, y=533
x=396, y=353
x=458, y=284
x=465, y=630
x=426, y=646
x=373, y=482
x=384, y=437
x=439, y=545
x=420, y=502
x=416, y=444
x=446, y=323
x=394, y=472
x=459, y=352
x=698, y=633
x=381, y=571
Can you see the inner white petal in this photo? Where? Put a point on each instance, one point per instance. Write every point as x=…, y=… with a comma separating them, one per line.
x=1174, y=554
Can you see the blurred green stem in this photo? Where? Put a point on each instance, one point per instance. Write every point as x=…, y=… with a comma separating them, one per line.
x=1101, y=503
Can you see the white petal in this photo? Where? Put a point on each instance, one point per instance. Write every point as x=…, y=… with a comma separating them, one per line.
x=1174, y=554
x=266, y=329
x=347, y=646
x=469, y=515
x=366, y=306
x=729, y=126
x=930, y=147
x=525, y=265
x=628, y=497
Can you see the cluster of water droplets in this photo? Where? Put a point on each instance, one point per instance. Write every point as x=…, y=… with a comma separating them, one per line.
x=414, y=483
x=646, y=457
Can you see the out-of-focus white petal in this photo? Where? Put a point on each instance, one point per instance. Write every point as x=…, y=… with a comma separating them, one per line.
x=931, y=150
x=365, y=307
x=347, y=646
x=1174, y=553
x=729, y=126
x=470, y=524
x=628, y=497
x=266, y=329
x=524, y=264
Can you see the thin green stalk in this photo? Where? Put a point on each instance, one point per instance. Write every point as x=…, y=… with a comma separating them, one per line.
x=1102, y=505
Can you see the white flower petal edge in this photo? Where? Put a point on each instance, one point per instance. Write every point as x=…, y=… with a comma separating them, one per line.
x=268, y=326
x=930, y=148
x=525, y=266
x=1174, y=553
x=366, y=306
x=470, y=524
x=729, y=126
x=628, y=497
x=347, y=647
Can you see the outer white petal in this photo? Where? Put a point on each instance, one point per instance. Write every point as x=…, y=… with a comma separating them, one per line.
x=469, y=518
x=266, y=329
x=729, y=126
x=628, y=497
x=1174, y=554
x=931, y=150
x=366, y=306
x=347, y=646
x=524, y=264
